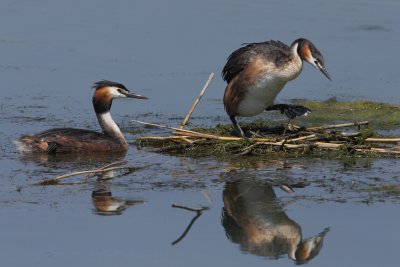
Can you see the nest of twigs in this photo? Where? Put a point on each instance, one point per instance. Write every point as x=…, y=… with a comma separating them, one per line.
x=347, y=138
x=292, y=139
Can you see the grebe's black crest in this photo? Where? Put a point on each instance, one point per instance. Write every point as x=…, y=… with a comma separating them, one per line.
x=107, y=83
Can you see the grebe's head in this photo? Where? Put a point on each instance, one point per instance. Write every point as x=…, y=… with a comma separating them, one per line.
x=309, y=248
x=308, y=52
x=106, y=91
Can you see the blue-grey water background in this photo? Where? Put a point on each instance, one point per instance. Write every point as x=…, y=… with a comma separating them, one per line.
x=53, y=51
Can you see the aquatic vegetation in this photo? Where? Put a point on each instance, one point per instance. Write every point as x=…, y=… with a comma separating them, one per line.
x=382, y=116
x=345, y=128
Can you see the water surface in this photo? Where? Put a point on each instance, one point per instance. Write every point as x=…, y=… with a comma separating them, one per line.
x=53, y=51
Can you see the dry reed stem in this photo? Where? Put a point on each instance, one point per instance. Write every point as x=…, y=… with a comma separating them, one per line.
x=194, y=105
x=378, y=150
x=383, y=140
x=327, y=145
x=343, y=134
x=280, y=144
x=333, y=126
x=190, y=133
x=186, y=140
x=161, y=138
x=303, y=138
x=195, y=134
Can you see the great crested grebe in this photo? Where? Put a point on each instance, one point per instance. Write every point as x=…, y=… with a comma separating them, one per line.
x=70, y=140
x=257, y=72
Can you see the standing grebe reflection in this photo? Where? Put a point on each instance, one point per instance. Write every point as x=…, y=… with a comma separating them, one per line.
x=254, y=218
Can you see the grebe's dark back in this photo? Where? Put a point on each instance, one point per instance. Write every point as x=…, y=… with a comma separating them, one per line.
x=70, y=140
x=257, y=72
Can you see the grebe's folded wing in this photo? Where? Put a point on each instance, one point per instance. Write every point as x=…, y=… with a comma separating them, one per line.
x=239, y=59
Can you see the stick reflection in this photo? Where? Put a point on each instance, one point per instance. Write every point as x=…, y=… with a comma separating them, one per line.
x=199, y=212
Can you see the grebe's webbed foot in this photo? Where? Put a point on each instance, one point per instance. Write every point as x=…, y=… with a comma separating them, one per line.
x=238, y=130
x=291, y=111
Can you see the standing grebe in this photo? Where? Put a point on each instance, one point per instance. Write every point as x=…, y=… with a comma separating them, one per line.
x=70, y=140
x=257, y=72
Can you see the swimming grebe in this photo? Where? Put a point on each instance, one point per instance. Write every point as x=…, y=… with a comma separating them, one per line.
x=257, y=72
x=70, y=140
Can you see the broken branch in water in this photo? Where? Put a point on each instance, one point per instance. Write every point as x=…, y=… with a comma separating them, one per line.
x=110, y=167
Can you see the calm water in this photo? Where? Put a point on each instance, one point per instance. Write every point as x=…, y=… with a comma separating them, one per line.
x=52, y=52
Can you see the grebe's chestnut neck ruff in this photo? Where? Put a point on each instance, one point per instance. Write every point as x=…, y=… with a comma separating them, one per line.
x=257, y=72
x=308, y=52
x=70, y=140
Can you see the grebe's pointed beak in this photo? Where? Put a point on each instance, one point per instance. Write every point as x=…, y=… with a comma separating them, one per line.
x=318, y=63
x=133, y=95
x=324, y=71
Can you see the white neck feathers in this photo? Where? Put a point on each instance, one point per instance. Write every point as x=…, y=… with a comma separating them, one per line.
x=110, y=128
x=293, y=70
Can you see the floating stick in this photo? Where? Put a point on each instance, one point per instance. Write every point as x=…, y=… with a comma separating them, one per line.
x=109, y=167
